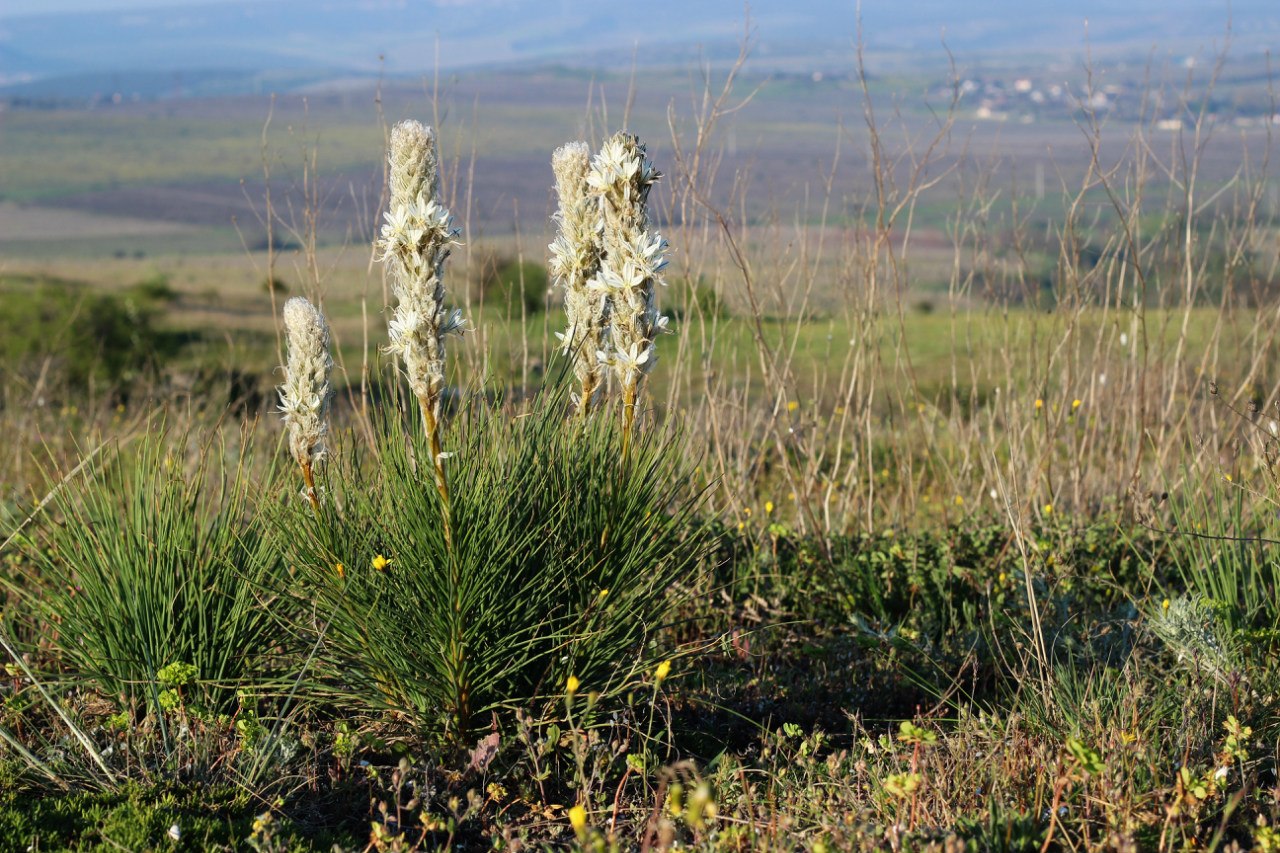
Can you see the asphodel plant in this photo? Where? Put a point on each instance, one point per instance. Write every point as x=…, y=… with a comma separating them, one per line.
x=631, y=263
x=416, y=239
x=304, y=396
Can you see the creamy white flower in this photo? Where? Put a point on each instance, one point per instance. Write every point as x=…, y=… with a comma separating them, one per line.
x=575, y=264
x=416, y=239
x=633, y=258
x=304, y=396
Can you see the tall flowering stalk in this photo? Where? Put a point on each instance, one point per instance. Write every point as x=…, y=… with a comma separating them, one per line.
x=631, y=266
x=416, y=240
x=304, y=396
x=575, y=261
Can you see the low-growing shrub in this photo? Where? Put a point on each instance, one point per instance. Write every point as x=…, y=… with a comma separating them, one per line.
x=512, y=283
x=67, y=331
x=694, y=300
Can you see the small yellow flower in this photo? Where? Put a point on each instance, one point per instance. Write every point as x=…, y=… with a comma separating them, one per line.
x=571, y=686
x=742, y=525
x=1075, y=404
x=380, y=562
x=663, y=670
x=1048, y=509
x=1003, y=577
x=768, y=507
x=1164, y=605
x=1039, y=403
x=1227, y=478
x=578, y=819
x=792, y=406
x=959, y=501
x=791, y=496
x=604, y=593
x=341, y=570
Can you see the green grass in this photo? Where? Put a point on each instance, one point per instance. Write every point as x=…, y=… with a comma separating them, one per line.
x=158, y=578
x=561, y=556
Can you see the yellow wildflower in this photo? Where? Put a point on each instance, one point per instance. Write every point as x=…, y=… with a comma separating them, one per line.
x=663, y=670
x=578, y=819
x=380, y=562
x=792, y=406
x=341, y=570
x=768, y=507
x=571, y=686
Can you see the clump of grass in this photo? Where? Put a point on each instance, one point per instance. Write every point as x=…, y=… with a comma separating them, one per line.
x=155, y=563
x=562, y=555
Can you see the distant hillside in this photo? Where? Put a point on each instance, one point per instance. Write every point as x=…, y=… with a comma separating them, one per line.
x=226, y=45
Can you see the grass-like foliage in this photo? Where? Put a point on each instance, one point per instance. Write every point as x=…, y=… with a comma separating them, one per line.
x=563, y=553
x=1228, y=561
x=156, y=575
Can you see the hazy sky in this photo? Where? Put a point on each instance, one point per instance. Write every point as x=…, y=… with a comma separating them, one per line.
x=15, y=8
